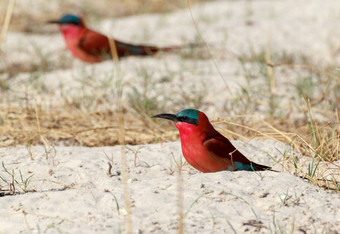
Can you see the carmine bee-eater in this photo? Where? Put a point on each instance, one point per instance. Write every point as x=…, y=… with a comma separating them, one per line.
x=206, y=149
x=93, y=47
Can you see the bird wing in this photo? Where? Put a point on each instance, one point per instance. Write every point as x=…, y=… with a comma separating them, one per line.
x=222, y=147
x=131, y=49
x=95, y=43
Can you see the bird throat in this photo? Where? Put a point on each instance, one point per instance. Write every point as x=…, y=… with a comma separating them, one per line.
x=188, y=132
x=69, y=30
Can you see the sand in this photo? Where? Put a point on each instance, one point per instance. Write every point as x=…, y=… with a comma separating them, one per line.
x=76, y=195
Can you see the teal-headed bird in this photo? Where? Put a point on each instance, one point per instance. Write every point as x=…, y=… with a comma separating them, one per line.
x=93, y=47
x=206, y=149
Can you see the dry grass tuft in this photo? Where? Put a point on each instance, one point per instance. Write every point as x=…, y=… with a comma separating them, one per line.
x=311, y=138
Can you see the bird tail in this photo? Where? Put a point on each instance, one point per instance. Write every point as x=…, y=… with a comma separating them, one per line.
x=173, y=48
x=144, y=50
x=259, y=167
x=125, y=49
x=132, y=49
x=190, y=47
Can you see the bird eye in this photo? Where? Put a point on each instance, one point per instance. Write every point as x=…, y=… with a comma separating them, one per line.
x=184, y=118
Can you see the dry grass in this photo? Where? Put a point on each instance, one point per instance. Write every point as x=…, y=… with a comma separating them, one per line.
x=18, y=125
x=320, y=141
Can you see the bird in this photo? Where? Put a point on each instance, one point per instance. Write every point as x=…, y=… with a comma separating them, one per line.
x=205, y=148
x=93, y=47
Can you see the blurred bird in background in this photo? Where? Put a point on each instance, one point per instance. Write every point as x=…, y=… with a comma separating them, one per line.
x=93, y=47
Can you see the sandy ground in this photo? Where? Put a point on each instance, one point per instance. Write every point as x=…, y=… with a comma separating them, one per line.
x=78, y=196
x=231, y=29
x=74, y=193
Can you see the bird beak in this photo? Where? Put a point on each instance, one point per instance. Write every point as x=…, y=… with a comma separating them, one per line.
x=166, y=116
x=53, y=22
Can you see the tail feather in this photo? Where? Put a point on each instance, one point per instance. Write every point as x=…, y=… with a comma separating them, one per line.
x=250, y=166
x=125, y=49
x=259, y=167
x=173, y=48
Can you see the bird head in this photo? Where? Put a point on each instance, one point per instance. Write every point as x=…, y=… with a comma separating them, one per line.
x=188, y=118
x=68, y=19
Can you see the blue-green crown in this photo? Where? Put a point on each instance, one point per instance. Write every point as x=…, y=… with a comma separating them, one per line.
x=188, y=116
x=190, y=113
x=70, y=19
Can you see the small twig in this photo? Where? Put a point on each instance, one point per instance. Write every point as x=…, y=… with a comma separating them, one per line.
x=109, y=170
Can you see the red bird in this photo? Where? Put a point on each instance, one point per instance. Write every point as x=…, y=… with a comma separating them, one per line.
x=206, y=149
x=93, y=47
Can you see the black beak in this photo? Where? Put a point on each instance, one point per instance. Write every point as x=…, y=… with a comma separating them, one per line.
x=166, y=116
x=53, y=22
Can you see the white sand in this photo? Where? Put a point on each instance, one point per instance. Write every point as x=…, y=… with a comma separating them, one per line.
x=77, y=196
x=291, y=27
